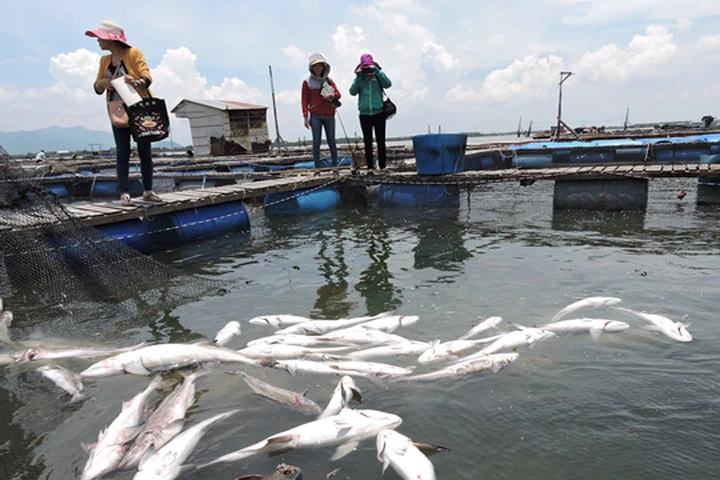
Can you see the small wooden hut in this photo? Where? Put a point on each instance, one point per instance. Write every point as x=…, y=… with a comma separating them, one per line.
x=223, y=127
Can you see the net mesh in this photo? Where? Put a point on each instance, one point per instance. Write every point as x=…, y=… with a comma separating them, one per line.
x=48, y=258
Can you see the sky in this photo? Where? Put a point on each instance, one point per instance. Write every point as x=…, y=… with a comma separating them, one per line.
x=456, y=65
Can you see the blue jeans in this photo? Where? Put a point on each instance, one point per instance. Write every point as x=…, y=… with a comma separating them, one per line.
x=122, y=165
x=317, y=122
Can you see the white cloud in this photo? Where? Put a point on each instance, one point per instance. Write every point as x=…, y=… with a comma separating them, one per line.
x=523, y=80
x=643, y=54
x=441, y=59
x=296, y=55
x=709, y=43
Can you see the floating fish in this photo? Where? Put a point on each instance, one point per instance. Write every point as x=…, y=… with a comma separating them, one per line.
x=112, y=443
x=296, y=401
x=168, y=356
x=440, y=351
x=167, y=462
x=398, y=451
x=278, y=321
x=487, y=324
x=594, y=326
x=230, y=330
x=389, y=324
x=675, y=330
x=411, y=347
x=65, y=379
x=279, y=350
x=164, y=423
x=473, y=364
x=40, y=353
x=345, y=391
x=523, y=337
x=589, y=302
x=344, y=430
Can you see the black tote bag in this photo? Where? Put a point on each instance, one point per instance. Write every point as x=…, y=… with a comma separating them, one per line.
x=149, y=120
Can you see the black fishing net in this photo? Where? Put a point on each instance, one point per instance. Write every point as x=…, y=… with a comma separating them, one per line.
x=49, y=260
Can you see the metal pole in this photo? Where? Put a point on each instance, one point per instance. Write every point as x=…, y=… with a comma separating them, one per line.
x=278, y=138
x=563, y=76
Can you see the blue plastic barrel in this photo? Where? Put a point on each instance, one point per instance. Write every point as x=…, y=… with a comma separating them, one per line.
x=133, y=233
x=104, y=188
x=584, y=157
x=189, y=225
x=708, y=189
x=523, y=159
x=301, y=202
x=59, y=189
x=437, y=154
x=398, y=195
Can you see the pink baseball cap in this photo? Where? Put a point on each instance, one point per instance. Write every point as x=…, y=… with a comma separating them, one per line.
x=109, y=30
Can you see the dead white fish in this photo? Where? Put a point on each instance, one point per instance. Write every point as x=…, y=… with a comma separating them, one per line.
x=230, y=330
x=441, y=351
x=344, y=430
x=6, y=318
x=411, y=347
x=278, y=321
x=342, y=367
x=319, y=327
x=594, y=326
x=292, y=339
x=473, y=364
x=345, y=391
x=296, y=401
x=589, y=302
x=282, y=351
x=167, y=356
x=523, y=337
x=398, y=451
x=389, y=324
x=360, y=336
x=675, y=330
x=65, y=379
x=112, y=443
x=167, y=462
x=40, y=353
x=164, y=423
x=483, y=326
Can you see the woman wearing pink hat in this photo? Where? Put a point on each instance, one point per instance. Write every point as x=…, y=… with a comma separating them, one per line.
x=369, y=83
x=124, y=61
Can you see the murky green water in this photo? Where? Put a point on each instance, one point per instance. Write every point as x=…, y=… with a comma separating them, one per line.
x=632, y=405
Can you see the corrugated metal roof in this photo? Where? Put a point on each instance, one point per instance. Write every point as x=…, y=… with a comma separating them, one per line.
x=221, y=105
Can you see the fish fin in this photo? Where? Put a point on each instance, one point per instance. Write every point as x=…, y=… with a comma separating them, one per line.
x=88, y=447
x=429, y=450
x=344, y=449
x=280, y=444
x=595, y=333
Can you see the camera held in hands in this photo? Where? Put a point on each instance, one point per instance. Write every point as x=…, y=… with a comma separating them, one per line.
x=336, y=103
x=368, y=70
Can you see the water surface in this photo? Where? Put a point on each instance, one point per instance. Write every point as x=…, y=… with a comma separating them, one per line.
x=632, y=405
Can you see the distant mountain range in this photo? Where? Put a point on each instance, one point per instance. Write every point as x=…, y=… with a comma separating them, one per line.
x=52, y=139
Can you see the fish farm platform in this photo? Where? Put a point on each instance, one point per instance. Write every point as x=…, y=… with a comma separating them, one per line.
x=103, y=213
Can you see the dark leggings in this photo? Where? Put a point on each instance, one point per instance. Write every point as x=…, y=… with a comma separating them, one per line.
x=367, y=123
x=122, y=145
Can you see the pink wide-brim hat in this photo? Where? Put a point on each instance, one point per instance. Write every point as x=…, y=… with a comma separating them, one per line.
x=109, y=30
x=366, y=60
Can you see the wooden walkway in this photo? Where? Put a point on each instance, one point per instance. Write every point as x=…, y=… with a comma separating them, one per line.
x=288, y=181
